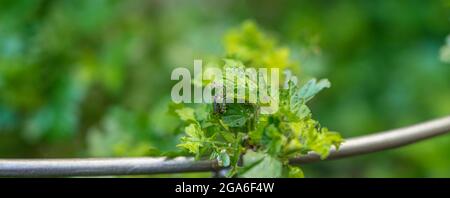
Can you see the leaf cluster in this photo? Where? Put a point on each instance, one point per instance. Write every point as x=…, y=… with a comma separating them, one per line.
x=238, y=136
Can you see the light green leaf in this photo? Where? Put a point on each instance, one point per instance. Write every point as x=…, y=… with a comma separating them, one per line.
x=295, y=172
x=297, y=102
x=319, y=140
x=186, y=114
x=192, y=147
x=194, y=139
x=194, y=132
x=303, y=111
x=260, y=165
x=312, y=87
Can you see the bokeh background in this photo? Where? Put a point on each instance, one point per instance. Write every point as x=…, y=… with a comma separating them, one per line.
x=92, y=77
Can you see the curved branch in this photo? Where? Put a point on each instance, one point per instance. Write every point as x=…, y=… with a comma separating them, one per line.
x=383, y=140
x=146, y=165
x=101, y=166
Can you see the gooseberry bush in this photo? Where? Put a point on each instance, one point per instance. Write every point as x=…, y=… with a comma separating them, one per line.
x=238, y=135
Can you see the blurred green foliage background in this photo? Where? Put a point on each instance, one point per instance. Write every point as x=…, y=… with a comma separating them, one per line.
x=92, y=77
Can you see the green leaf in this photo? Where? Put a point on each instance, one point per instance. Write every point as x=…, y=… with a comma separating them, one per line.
x=186, y=114
x=257, y=134
x=295, y=172
x=302, y=112
x=237, y=115
x=227, y=136
x=194, y=132
x=260, y=165
x=194, y=140
x=274, y=140
x=192, y=147
x=234, y=120
x=312, y=87
x=316, y=139
x=297, y=103
x=298, y=98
